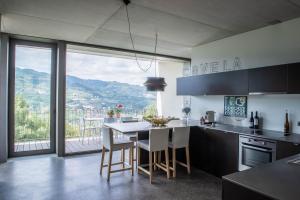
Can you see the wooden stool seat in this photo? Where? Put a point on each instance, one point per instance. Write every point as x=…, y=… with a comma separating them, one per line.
x=115, y=145
x=158, y=141
x=180, y=139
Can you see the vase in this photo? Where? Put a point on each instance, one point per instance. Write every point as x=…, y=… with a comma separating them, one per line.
x=118, y=115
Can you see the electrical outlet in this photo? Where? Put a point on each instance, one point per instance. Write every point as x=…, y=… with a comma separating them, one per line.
x=298, y=123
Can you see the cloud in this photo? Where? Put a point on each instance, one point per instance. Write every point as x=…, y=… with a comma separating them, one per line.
x=38, y=59
x=107, y=68
x=86, y=66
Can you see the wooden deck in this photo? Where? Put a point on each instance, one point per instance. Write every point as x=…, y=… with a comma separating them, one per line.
x=32, y=145
x=73, y=145
x=88, y=144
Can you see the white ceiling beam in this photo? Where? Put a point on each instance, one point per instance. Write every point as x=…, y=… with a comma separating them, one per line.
x=103, y=24
x=181, y=17
x=150, y=38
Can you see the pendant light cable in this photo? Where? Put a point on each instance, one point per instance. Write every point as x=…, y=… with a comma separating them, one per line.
x=133, y=47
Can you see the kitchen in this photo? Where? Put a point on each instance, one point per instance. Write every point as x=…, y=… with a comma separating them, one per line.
x=228, y=81
x=245, y=67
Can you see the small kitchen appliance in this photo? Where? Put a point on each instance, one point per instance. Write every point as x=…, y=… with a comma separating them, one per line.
x=210, y=117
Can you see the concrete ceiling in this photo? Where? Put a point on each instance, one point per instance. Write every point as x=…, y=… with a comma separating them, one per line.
x=181, y=24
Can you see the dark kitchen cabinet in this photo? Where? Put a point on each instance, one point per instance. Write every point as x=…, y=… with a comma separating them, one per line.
x=192, y=85
x=198, y=149
x=268, y=79
x=214, y=151
x=274, y=79
x=227, y=83
x=286, y=149
x=223, y=151
x=224, y=83
x=294, y=78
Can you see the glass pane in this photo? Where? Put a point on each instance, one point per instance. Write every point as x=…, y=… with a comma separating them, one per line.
x=253, y=157
x=96, y=84
x=32, y=98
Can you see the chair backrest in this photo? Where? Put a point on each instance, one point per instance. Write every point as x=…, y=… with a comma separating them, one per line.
x=181, y=137
x=109, y=120
x=126, y=119
x=108, y=139
x=158, y=139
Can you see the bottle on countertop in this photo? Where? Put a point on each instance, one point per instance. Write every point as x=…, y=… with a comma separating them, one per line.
x=206, y=119
x=256, y=121
x=251, y=121
x=202, y=120
x=286, y=124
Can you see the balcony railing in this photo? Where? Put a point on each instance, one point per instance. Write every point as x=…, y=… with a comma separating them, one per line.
x=82, y=129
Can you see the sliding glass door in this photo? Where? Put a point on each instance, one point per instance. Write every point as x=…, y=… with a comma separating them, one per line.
x=102, y=87
x=32, y=98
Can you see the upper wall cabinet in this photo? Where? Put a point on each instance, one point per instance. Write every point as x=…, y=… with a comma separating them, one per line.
x=224, y=83
x=268, y=79
x=280, y=79
x=294, y=78
x=192, y=85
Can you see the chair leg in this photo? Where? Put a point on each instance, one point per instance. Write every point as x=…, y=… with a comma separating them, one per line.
x=187, y=152
x=150, y=166
x=159, y=157
x=174, y=161
x=130, y=155
x=155, y=160
x=136, y=155
x=102, y=159
x=123, y=158
x=138, y=162
x=167, y=162
x=109, y=164
x=131, y=161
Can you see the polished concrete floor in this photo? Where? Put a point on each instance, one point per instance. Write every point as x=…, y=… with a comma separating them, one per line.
x=77, y=178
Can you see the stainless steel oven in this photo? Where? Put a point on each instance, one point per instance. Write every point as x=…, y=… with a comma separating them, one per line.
x=254, y=151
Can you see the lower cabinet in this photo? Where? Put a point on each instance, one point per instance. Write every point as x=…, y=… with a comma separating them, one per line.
x=286, y=149
x=232, y=191
x=214, y=151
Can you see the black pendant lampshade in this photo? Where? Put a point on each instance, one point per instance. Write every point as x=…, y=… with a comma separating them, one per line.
x=155, y=84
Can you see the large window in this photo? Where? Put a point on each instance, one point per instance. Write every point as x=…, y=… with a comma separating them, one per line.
x=102, y=87
x=32, y=97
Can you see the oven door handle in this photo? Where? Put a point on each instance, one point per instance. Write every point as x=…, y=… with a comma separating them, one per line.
x=256, y=148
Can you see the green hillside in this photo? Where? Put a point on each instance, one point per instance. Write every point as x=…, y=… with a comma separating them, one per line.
x=34, y=87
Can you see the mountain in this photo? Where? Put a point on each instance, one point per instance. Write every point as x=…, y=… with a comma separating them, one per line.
x=34, y=86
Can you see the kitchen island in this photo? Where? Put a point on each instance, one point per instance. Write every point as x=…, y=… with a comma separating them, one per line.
x=277, y=180
x=214, y=149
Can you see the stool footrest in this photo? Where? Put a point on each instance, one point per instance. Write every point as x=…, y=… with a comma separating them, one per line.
x=120, y=170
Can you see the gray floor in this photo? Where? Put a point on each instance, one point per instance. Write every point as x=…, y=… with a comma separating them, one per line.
x=77, y=178
x=73, y=145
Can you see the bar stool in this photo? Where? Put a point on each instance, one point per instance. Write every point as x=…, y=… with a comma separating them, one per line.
x=111, y=145
x=180, y=139
x=158, y=141
x=133, y=137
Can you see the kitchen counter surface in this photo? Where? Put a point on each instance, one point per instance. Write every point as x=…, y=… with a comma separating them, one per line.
x=277, y=180
x=266, y=134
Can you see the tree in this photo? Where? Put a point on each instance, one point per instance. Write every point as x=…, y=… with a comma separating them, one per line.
x=150, y=110
x=29, y=125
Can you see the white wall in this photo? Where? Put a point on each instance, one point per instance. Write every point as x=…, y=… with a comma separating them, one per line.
x=277, y=44
x=271, y=108
x=168, y=103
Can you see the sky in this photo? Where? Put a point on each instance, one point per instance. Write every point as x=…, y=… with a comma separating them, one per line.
x=86, y=66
